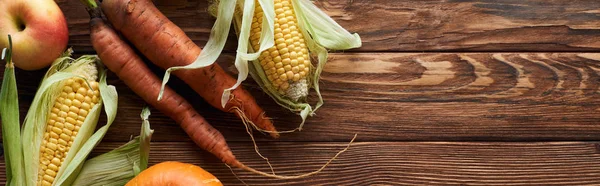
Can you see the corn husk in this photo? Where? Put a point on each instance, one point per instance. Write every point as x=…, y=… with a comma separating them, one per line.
x=120, y=165
x=9, y=113
x=86, y=139
x=321, y=34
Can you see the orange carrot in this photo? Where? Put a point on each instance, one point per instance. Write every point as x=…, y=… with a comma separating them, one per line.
x=123, y=61
x=166, y=45
x=174, y=174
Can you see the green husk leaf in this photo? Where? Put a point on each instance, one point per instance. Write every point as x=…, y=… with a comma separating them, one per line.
x=214, y=46
x=323, y=29
x=112, y=168
x=315, y=49
x=266, y=41
x=145, y=137
x=120, y=165
x=9, y=113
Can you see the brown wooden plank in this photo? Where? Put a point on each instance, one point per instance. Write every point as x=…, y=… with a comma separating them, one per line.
x=406, y=25
x=411, y=97
x=400, y=163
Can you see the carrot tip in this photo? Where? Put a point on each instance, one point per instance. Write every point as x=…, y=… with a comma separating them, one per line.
x=268, y=127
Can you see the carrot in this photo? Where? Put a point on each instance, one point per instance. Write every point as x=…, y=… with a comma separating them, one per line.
x=166, y=45
x=175, y=174
x=130, y=68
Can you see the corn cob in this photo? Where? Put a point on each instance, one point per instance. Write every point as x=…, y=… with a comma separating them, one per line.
x=56, y=136
x=286, y=64
x=59, y=129
x=65, y=119
x=277, y=39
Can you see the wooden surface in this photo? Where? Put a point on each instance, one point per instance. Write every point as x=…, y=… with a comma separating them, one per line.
x=452, y=92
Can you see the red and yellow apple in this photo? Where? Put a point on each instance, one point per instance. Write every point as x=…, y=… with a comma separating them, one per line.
x=38, y=29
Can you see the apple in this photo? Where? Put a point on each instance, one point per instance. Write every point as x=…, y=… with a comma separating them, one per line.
x=38, y=29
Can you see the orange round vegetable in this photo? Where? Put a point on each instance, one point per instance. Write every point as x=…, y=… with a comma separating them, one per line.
x=174, y=174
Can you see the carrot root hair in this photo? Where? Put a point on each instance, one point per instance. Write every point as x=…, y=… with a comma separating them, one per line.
x=273, y=175
x=247, y=121
x=234, y=174
x=267, y=131
x=256, y=147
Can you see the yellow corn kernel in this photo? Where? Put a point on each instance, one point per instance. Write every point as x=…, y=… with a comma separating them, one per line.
x=69, y=126
x=50, y=172
x=48, y=178
x=55, y=161
x=46, y=183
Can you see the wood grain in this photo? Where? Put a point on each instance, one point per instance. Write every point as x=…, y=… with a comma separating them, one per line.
x=406, y=25
x=505, y=94
x=411, y=97
x=400, y=163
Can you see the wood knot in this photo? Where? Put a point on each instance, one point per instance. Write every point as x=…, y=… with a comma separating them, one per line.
x=130, y=6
